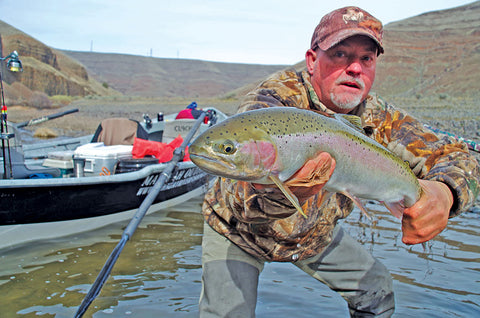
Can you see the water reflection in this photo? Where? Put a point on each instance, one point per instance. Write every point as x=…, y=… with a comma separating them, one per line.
x=441, y=278
x=52, y=278
x=159, y=271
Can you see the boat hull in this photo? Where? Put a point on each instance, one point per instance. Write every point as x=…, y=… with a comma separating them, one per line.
x=17, y=234
x=59, y=199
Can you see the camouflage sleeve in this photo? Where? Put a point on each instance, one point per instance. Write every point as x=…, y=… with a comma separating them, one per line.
x=249, y=204
x=281, y=89
x=430, y=157
x=229, y=200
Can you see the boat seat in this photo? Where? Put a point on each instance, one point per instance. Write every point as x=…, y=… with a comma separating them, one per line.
x=21, y=171
x=119, y=131
x=178, y=127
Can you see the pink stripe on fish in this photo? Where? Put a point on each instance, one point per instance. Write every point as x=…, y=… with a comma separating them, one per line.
x=262, y=152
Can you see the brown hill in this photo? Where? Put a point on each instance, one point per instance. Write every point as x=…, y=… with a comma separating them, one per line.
x=161, y=77
x=44, y=69
x=432, y=54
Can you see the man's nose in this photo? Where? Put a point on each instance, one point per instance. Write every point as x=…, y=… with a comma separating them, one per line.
x=354, y=68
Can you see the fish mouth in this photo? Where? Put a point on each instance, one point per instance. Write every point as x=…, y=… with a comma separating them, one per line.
x=209, y=164
x=220, y=168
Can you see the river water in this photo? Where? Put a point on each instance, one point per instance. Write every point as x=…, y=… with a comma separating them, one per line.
x=158, y=273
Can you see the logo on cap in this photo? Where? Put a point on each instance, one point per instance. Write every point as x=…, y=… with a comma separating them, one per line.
x=353, y=15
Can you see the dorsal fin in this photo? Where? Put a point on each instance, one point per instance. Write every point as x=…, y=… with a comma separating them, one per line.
x=352, y=121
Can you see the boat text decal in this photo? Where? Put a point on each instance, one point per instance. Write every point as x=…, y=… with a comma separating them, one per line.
x=179, y=178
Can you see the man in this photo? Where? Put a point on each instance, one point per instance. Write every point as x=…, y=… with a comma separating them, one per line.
x=248, y=224
x=191, y=112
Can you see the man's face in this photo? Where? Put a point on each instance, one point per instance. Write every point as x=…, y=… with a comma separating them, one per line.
x=343, y=75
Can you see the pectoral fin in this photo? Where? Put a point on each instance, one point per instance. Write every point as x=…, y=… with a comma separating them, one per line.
x=289, y=194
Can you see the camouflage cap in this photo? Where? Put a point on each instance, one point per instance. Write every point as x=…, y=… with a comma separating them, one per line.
x=343, y=23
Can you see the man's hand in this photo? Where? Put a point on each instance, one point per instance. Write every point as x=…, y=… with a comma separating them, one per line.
x=429, y=215
x=312, y=176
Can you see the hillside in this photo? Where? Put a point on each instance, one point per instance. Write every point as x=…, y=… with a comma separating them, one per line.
x=161, y=77
x=431, y=54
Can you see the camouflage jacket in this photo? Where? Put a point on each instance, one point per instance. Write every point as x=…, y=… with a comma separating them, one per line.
x=266, y=225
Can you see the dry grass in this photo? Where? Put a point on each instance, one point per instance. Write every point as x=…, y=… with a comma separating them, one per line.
x=93, y=110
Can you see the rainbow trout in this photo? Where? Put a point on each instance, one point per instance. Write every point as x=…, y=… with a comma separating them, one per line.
x=269, y=145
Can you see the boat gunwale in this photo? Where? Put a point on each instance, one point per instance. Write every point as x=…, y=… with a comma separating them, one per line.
x=88, y=180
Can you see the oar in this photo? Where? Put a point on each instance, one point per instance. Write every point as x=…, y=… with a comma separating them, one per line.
x=178, y=154
x=45, y=118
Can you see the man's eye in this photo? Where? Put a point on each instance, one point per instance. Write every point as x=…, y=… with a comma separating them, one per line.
x=368, y=60
x=339, y=54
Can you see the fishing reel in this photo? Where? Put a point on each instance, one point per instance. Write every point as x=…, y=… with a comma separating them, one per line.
x=212, y=116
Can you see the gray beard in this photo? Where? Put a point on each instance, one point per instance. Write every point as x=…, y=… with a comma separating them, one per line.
x=343, y=103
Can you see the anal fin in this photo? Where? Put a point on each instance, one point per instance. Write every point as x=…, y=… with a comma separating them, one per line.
x=358, y=203
x=288, y=194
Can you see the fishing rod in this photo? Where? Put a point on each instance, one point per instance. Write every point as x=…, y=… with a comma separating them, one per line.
x=44, y=118
x=13, y=65
x=178, y=154
x=472, y=145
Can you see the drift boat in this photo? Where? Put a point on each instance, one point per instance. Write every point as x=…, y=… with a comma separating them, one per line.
x=47, y=185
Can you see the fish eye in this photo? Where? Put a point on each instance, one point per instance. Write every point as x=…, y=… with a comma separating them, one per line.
x=228, y=147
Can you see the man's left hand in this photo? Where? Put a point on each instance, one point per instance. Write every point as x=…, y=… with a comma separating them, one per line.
x=429, y=215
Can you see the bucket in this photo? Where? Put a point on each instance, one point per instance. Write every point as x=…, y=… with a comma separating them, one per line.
x=129, y=165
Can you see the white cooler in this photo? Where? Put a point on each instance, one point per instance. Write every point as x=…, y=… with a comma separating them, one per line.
x=62, y=160
x=98, y=159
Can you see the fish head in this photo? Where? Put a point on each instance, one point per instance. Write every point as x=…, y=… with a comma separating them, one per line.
x=232, y=150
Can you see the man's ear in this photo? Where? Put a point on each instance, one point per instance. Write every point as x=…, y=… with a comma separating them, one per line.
x=310, y=58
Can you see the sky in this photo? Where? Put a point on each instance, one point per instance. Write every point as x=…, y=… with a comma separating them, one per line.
x=246, y=31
